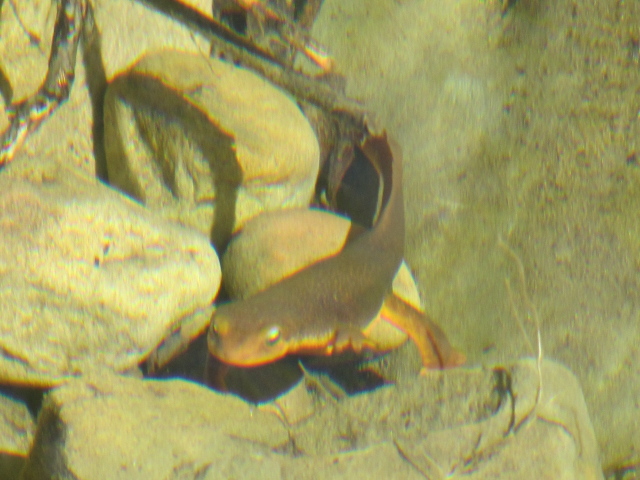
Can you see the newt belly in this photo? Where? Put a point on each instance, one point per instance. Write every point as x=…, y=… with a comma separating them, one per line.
x=328, y=307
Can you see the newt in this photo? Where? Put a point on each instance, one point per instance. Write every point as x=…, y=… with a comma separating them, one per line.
x=326, y=307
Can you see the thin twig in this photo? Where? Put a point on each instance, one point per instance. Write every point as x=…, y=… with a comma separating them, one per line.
x=536, y=321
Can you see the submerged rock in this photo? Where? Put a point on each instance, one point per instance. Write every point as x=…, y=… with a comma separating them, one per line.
x=206, y=142
x=470, y=423
x=17, y=427
x=90, y=279
x=118, y=427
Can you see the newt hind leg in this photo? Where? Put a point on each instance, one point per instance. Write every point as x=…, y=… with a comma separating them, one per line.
x=432, y=343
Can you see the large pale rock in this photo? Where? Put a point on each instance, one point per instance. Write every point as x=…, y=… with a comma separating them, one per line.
x=128, y=30
x=90, y=279
x=124, y=428
x=473, y=424
x=17, y=428
x=206, y=142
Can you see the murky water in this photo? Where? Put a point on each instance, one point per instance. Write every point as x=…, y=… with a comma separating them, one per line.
x=521, y=134
x=522, y=180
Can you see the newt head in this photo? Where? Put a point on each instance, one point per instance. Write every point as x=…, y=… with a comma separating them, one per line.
x=244, y=335
x=235, y=346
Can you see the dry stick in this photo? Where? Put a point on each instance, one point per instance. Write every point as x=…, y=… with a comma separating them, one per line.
x=536, y=320
x=27, y=115
x=312, y=380
x=435, y=472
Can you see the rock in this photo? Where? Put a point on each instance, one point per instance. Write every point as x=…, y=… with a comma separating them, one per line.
x=17, y=428
x=23, y=63
x=110, y=427
x=90, y=279
x=128, y=30
x=207, y=143
x=478, y=423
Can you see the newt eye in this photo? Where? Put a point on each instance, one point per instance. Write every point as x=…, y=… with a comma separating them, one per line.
x=273, y=335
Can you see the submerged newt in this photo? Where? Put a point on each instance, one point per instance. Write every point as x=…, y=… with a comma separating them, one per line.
x=327, y=307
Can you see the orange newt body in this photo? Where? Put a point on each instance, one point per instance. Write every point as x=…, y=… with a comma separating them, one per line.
x=326, y=307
